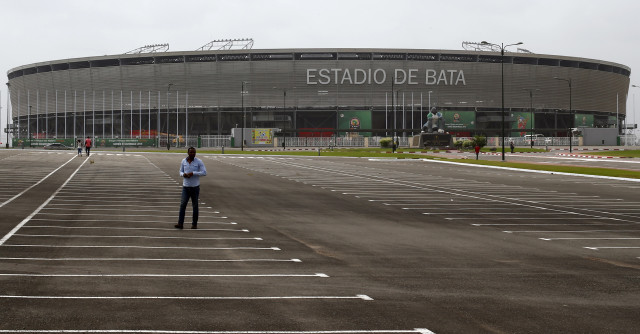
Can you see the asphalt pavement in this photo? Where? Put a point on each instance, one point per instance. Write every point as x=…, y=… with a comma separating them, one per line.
x=314, y=245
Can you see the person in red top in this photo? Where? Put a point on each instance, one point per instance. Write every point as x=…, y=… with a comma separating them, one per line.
x=477, y=151
x=87, y=145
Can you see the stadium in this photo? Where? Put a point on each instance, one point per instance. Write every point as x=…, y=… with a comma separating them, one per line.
x=150, y=95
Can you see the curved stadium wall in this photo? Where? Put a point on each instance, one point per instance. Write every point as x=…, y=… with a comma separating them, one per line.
x=309, y=92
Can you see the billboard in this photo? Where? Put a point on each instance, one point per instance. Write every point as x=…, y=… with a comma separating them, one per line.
x=262, y=136
x=583, y=120
x=523, y=122
x=355, y=120
x=459, y=120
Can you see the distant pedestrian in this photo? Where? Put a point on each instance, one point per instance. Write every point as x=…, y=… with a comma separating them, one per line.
x=477, y=151
x=168, y=144
x=87, y=145
x=512, y=146
x=79, y=147
x=191, y=168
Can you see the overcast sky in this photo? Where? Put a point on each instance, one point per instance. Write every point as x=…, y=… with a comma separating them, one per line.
x=43, y=30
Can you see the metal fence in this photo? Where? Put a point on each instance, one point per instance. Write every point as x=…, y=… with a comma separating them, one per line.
x=213, y=141
x=220, y=141
x=521, y=141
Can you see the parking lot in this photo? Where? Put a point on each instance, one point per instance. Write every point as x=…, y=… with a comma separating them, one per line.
x=313, y=245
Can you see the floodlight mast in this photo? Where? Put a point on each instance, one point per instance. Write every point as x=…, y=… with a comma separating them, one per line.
x=474, y=46
x=228, y=44
x=151, y=48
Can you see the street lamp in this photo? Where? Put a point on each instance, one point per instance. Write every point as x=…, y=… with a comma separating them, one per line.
x=8, y=100
x=244, y=117
x=168, y=112
x=502, y=48
x=29, y=125
x=634, y=113
x=570, y=114
x=531, y=111
x=284, y=118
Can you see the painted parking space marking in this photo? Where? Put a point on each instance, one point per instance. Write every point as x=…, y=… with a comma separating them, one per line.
x=151, y=331
x=143, y=247
x=359, y=297
x=108, y=228
x=142, y=259
x=321, y=275
x=33, y=185
x=129, y=228
x=26, y=220
x=133, y=236
x=521, y=206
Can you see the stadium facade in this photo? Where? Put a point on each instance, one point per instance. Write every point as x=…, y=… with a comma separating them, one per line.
x=312, y=92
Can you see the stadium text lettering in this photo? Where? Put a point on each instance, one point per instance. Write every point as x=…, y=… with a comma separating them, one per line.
x=358, y=76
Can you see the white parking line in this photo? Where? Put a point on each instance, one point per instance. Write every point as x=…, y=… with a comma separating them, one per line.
x=550, y=239
x=584, y=231
x=26, y=220
x=143, y=247
x=37, y=183
x=151, y=331
x=126, y=221
x=598, y=248
x=93, y=214
x=142, y=259
x=126, y=236
x=167, y=275
x=361, y=297
x=555, y=224
x=128, y=228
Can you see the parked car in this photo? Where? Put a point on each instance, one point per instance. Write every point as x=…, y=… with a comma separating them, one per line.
x=57, y=146
x=536, y=136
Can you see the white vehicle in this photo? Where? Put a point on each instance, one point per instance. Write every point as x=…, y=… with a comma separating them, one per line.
x=536, y=136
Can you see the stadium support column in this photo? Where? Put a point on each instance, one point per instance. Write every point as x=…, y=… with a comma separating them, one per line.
x=7, y=111
x=530, y=90
x=244, y=117
x=570, y=114
x=168, y=113
x=157, y=122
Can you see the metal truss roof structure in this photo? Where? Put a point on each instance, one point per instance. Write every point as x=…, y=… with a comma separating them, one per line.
x=228, y=44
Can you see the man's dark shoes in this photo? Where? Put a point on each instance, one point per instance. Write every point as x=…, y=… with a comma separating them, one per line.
x=194, y=227
x=178, y=226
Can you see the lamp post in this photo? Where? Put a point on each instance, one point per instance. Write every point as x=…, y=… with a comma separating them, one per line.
x=29, y=125
x=570, y=114
x=157, y=119
x=531, y=111
x=284, y=118
x=393, y=108
x=244, y=120
x=7, y=126
x=634, y=114
x=168, y=113
x=502, y=48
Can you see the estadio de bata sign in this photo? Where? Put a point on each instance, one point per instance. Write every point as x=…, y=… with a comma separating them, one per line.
x=359, y=76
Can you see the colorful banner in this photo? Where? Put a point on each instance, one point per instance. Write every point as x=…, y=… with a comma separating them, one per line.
x=459, y=120
x=355, y=120
x=583, y=120
x=262, y=136
x=97, y=142
x=522, y=121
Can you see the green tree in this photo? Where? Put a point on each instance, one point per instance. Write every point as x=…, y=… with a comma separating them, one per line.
x=480, y=141
x=386, y=142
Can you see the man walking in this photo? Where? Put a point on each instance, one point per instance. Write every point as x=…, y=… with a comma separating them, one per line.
x=87, y=145
x=191, y=169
